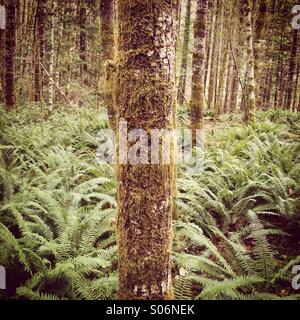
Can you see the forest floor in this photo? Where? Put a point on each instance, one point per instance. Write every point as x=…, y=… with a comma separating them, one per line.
x=238, y=231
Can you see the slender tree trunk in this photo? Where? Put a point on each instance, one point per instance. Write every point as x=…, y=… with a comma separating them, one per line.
x=51, y=58
x=207, y=46
x=213, y=80
x=210, y=58
x=40, y=49
x=145, y=93
x=291, y=75
x=221, y=63
x=10, y=49
x=2, y=64
x=74, y=11
x=107, y=57
x=184, y=59
x=198, y=93
x=279, y=70
x=296, y=93
x=234, y=91
x=228, y=90
x=59, y=40
x=267, y=98
x=259, y=27
x=222, y=84
x=82, y=40
x=250, y=109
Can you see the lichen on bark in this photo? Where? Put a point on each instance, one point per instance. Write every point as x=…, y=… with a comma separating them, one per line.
x=145, y=96
x=198, y=94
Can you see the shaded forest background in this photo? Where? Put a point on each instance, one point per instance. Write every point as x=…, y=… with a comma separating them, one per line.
x=58, y=58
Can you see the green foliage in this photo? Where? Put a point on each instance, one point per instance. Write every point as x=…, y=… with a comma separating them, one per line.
x=57, y=208
x=238, y=235
x=238, y=232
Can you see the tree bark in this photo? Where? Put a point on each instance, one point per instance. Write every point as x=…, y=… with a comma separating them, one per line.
x=198, y=93
x=10, y=50
x=2, y=64
x=184, y=59
x=107, y=57
x=145, y=93
x=221, y=62
x=296, y=93
x=82, y=40
x=292, y=65
x=40, y=49
x=250, y=108
x=51, y=58
x=229, y=86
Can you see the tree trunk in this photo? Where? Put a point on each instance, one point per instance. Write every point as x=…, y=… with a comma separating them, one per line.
x=184, y=59
x=210, y=56
x=213, y=79
x=221, y=62
x=259, y=27
x=296, y=93
x=250, y=108
x=291, y=75
x=51, y=58
x=82, y=40
x=10, y=49
x=228, y=92
x=39, y=49
x=145, y=94
x=279, y=70
x=107, y=57
x=234, y=92
x=2, y=64
x=198, y=94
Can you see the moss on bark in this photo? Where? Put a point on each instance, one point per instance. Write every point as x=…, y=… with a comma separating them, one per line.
x=145, y=95
x=198, y=94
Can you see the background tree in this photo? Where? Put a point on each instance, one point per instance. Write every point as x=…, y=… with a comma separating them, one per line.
x=184, y=56
x=10, y=50
x=40, y=49
x=198, y=92
x=292, y=70
x=250, y=107
x=107, y=57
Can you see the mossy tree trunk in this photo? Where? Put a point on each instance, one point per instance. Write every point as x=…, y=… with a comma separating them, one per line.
x=213, y=80
x=198, y=92
x=184, y=59
x=258, y=32
x=296, y=91
x=229, y=86
x=107, y=57
x=145, y=93
x=220, y=62
x=250, y=108
x=39, y=49
x=234, y=92
x=210, y=48
x=9, y=57
x=82, y=40
x=292, y=69
x=2, y=50
x=51, y=54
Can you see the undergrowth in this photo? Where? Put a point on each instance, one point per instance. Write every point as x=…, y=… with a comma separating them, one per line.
x=237, y=237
